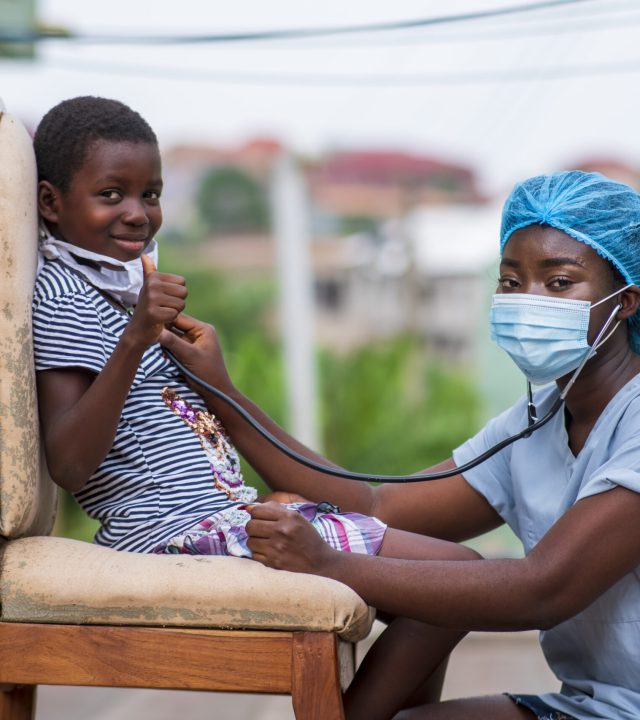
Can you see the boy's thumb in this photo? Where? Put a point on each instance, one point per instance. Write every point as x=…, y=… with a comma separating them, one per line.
x=147, y=265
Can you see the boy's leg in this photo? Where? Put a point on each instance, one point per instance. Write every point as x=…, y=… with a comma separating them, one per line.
x=411, y=546
x=406, y=665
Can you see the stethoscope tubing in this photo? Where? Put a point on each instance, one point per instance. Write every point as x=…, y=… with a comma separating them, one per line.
x=414, y=477
x=387, y=479
x=363, y=477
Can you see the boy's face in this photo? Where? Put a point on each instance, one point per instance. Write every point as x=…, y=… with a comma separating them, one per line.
x=112, y=205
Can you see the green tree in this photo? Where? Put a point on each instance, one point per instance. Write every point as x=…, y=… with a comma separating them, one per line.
x=388, y=409
x=230, y=202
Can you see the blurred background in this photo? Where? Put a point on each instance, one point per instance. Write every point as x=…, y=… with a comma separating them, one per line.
x=334, y=174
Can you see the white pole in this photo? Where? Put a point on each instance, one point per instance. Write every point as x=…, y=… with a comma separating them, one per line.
x=290, y=218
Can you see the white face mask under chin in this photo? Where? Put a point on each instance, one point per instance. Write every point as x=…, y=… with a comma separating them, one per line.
x=121, y=280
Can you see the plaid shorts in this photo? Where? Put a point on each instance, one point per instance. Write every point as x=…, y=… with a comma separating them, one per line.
x=540, y=709
x=224, y=533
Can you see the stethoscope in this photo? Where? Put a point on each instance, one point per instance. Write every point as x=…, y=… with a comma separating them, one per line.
x=533, y=424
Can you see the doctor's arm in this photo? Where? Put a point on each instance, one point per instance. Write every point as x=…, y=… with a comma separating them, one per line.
x=448, y=509
x=590, y=548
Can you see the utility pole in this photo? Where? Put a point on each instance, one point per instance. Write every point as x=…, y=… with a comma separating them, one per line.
x=290, y=226
x=17, y=18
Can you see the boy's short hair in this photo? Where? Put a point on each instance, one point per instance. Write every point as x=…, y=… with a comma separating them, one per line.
x=69, y=128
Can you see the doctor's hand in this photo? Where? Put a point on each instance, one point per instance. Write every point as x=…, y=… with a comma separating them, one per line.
x=282, y=539
x=195, y=344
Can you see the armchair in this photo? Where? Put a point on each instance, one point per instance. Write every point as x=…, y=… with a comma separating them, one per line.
x=73, y=613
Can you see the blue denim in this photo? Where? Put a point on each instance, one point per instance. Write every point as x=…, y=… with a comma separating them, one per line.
x=540, y=709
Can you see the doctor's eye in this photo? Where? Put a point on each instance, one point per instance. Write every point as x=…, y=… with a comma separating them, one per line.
x=507, y=283
x=559, y=283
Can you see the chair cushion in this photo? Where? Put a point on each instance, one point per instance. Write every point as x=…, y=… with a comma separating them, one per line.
x=57, y=580
x=27, y=499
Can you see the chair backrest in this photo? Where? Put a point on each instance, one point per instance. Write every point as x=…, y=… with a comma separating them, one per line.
x=27, y=495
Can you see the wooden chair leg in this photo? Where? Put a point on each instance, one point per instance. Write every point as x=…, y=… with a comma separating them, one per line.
x=315, y=681
x=18, y=702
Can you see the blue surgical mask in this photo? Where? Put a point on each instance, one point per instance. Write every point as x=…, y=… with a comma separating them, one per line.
x=546, y=337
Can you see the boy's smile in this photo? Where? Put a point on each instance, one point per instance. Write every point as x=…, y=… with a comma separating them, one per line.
x=112, y=206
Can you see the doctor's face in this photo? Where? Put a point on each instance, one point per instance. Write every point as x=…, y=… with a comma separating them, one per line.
x=541, y=260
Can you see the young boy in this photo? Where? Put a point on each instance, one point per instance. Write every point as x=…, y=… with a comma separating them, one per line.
x=122, y=428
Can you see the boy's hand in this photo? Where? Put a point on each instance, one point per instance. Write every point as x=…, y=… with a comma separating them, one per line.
x=284, y=540
x=161, y=300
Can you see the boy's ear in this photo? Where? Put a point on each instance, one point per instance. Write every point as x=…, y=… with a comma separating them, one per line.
x=48, y=200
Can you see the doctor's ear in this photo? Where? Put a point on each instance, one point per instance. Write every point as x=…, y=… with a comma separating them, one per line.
x=48, y=200
x=630, y=301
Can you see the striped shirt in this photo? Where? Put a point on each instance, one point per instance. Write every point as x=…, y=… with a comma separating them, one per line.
x=156, y=480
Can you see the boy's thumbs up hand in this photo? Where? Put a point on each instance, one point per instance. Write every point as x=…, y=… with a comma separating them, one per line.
x=148, y=266
x=161, y=300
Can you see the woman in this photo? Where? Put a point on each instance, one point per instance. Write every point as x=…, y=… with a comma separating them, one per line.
x=570, y=245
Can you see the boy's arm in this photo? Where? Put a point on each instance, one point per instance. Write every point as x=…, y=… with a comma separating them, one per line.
x=79, y=410
x=79, y=414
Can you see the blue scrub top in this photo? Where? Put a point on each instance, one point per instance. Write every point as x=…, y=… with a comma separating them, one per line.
x=531, y=484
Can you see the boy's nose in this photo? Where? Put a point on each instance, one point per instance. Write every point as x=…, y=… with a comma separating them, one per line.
x=135, y=213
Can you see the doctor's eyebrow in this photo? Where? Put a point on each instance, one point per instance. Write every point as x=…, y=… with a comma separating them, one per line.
x=548, y=262
x=555, y=262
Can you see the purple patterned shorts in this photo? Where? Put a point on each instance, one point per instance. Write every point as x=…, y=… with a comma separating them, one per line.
x=224, y=533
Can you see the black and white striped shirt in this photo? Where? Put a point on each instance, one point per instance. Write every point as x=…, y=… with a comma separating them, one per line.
x=156, y=481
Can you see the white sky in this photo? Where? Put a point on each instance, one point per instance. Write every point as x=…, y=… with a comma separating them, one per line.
x=505, y=130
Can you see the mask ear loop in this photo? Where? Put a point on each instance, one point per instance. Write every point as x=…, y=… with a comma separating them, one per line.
x=532, y=413
x=592, y=350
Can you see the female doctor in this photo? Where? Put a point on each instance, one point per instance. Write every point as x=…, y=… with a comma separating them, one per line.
x=567, y=292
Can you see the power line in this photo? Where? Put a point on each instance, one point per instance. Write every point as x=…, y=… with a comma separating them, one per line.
x=578, y=25
x=359, y=80
x=282, y=34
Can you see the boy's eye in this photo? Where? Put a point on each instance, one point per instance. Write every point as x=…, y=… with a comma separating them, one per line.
x=110, y=194
x=152, y=195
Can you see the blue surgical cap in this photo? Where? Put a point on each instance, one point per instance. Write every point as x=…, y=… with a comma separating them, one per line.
x=591, y=208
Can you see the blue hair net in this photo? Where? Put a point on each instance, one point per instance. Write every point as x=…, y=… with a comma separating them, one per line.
x=591, y=208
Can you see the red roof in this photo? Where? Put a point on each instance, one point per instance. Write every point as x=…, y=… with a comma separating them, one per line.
x=386, y=167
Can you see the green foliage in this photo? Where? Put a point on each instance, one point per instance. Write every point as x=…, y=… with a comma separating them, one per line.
x=230, y=201
x=388, y=409
x=236, y=309
x=352, y=224
x=72, y=521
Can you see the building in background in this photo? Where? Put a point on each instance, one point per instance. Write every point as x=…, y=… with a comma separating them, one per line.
x=381, y=225
x=401, y=242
